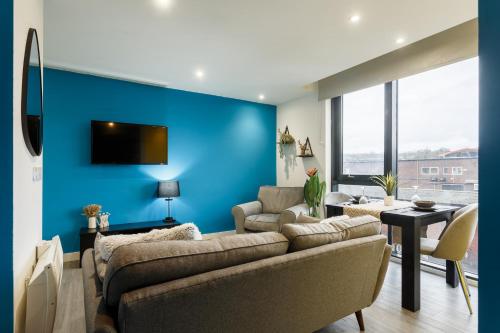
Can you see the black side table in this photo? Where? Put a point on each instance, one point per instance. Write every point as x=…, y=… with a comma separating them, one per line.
x=87, y=236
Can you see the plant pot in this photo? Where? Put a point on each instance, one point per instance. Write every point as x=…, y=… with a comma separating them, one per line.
x=92, y=222
x=389, y=200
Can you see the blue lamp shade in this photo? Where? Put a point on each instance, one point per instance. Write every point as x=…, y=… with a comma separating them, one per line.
x=168, y=189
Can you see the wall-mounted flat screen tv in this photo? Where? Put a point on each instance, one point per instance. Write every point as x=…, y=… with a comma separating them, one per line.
x=123, y=143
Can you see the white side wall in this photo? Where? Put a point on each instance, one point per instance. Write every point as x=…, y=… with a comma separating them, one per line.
x=305, y=117
x=27, y=193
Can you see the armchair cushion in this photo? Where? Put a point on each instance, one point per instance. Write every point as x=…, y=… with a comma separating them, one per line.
x=276, y=199
x=262, y=222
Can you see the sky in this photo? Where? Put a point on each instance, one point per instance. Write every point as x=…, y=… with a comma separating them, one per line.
x=437, y=109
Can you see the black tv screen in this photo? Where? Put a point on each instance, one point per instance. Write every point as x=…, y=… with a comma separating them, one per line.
x=122, y=143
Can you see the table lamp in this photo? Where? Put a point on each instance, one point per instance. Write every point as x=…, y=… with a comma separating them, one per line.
x=168, y=189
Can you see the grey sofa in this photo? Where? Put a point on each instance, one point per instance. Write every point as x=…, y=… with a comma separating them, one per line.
x=298, y=281
x=274, y=207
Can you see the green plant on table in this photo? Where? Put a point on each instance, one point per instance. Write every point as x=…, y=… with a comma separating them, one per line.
x=387, y=182
x=314, y=190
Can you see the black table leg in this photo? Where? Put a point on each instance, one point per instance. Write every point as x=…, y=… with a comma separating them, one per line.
x=410, y=293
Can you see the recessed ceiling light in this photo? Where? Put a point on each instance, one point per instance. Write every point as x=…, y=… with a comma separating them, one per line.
x=262, y=97
x=199, y=74
x=354, y=18
x=163, y=4
x=400, y=40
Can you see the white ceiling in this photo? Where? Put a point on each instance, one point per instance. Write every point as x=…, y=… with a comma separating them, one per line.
x=244, y=47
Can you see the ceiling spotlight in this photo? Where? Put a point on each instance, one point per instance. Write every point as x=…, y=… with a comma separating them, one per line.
x=262, y=97
x=354, y=18
x=199, y=74
x=163, y=4
x=400, y=40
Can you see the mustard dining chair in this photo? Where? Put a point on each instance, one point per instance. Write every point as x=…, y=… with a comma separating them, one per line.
x=454, y=242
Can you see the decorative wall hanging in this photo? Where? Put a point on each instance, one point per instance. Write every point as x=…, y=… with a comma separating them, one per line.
x=305, y=149
x=285, y=139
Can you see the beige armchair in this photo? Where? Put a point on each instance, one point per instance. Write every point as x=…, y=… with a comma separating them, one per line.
x=274, y=207
x=454, y=242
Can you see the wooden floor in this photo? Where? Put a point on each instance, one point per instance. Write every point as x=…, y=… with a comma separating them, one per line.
x=443, y=309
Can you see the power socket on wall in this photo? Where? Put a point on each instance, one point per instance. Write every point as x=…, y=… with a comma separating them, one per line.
x=37, y=173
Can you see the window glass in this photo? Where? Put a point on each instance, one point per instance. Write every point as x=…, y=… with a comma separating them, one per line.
x=363, y=132
x=438, y=140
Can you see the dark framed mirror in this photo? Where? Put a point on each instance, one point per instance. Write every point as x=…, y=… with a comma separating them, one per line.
x=32, y=96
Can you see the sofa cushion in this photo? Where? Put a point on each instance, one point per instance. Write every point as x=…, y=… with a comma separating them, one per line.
x=336, y=218
x=305, y=236
x=275, y=199
x=262, y=222
x=139, y=265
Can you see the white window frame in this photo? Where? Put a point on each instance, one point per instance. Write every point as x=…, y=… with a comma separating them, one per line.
x=430, y=173
x=455, y=171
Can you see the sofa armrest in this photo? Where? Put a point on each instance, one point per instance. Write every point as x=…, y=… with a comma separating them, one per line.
x=98, y=317
x=290, y=215
x=240, y=212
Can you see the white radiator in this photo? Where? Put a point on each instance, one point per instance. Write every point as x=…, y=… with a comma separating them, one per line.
x=43, y=287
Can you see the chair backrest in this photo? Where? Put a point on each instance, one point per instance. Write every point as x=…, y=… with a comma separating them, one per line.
x=457, y=237
x=333, y=198
x=276, y=199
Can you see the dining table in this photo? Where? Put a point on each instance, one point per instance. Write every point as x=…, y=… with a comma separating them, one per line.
x=403, y=214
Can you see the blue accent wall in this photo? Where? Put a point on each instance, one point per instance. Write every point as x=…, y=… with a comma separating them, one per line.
x=6, y=169
x=489, y=165
x=220, y=150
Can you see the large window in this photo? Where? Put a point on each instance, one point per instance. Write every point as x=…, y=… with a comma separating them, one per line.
x=363, y=132
x=424, y=128
x=438, y=135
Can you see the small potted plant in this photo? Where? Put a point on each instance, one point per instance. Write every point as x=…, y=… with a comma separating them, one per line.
x=388, y=183
x=314, y=191
x=91, y=212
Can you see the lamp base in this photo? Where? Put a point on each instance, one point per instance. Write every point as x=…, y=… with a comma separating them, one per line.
x=169, y=219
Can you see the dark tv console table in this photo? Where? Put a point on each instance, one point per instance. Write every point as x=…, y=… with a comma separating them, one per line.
x=87, y=236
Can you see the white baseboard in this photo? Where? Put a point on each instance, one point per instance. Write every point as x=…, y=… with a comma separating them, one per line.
x=75, y=256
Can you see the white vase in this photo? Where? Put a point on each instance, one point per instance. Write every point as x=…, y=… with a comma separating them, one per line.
x=92, y=222
x=389, y=200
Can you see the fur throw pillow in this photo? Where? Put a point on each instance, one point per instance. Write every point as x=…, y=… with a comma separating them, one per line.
x=105, y=245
